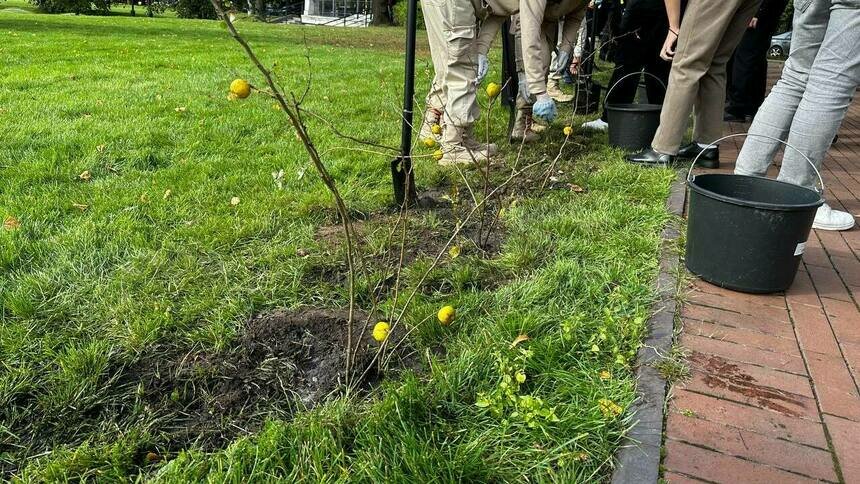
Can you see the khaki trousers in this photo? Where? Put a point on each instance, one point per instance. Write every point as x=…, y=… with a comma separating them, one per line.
x=433, y=21
x=709, y=34
x=549, y=36
x=456, y=54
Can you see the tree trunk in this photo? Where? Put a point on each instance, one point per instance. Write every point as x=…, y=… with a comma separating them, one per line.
x=260, y=9
x=132, y=8
x=381, y=12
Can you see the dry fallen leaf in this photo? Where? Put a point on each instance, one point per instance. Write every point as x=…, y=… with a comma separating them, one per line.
x=235, y=201
x=180, y=109
x=11, y=223
x=80, y=206
x=167, y=194
x=519, y=339
x=609, y=409
x=101, y=148
x=86, y=175
x=576, y=188
x=454, y=251
x=278, y=177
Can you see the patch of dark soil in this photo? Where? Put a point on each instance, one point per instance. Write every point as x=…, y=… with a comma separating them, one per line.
x=282, y=362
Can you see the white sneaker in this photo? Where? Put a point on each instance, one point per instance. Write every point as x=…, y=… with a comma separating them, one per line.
x=828, y=219
x=597, y=125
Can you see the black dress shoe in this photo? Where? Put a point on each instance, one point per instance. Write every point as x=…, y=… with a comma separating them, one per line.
x=709, y=159
x=651, y=157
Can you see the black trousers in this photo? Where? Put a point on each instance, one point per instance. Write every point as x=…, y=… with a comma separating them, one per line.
x=595, y=22
x=747, y=73
x=637, y=51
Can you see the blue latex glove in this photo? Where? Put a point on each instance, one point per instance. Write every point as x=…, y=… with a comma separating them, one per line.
x=483, y=68
x=544, y=107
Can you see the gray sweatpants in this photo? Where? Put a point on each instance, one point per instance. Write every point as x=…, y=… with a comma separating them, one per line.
x=811, y=98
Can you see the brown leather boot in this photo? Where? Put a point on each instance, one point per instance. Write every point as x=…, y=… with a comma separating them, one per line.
x=523, y=122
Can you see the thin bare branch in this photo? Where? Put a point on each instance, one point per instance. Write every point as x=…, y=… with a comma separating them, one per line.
x=294, y=114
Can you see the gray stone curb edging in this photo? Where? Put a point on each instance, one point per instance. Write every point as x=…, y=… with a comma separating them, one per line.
x=638, y=459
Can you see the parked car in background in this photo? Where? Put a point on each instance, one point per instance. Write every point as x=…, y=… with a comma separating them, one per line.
x=780, y=45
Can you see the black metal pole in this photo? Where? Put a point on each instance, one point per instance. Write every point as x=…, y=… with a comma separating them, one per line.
x=509, y=73
x=401, y=167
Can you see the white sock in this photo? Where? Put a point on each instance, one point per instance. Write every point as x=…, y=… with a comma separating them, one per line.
x=703, y=145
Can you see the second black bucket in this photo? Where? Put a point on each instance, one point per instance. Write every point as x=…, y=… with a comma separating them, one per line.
x=632, y=126
x=747, y=233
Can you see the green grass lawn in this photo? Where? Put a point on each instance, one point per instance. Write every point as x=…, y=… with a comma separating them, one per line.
x=149, y=254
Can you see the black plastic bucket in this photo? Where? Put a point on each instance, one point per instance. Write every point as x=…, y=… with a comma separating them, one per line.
x=632, y=126
x=747, y=233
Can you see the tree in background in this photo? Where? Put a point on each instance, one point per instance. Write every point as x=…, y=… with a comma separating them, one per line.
x=383, y=12
x=785, y=20
x=195, y=9
x=72, y=6
x=152, y=7
x=400, y=9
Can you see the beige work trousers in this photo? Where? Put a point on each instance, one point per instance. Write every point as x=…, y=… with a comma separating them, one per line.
x=438, y=47
x=452, y=29
x=710, y=32
x=549, y=36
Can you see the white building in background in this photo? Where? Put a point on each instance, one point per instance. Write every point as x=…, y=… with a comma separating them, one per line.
x=343, y=13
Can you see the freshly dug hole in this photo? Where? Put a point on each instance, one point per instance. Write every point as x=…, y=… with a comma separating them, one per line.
x=282, y=362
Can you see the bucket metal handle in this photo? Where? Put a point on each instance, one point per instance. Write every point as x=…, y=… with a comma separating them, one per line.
x=749, y=135
x=638, y=73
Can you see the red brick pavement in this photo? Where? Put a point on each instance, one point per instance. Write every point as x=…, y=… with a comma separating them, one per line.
x=774, y=390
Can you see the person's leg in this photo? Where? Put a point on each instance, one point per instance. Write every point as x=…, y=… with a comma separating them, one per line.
x=629, y=60
x=774, y=117
x=712, y=87
x=522, y=130
x=705, y=22
x=652, y=42
x=461, y=110
x=435, y=101
x=758, y=71
x=738, y=72
x=833, y=80
x=550, y=30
